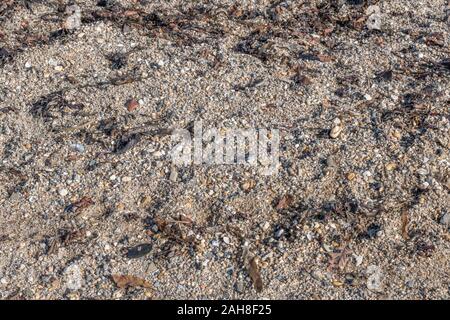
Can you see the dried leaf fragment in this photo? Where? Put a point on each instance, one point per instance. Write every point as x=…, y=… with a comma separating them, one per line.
x=339, y=258
x=132, y=105
x=127, y=281
x=435, y=39
x=285, y=202
x=324, y=58
x=80, y=205
x=253, y=271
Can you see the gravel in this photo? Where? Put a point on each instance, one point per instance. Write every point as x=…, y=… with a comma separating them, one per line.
x=88, y=190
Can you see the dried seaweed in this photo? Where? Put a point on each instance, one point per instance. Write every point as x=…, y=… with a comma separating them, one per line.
x=126, y=143
x=118, y=60
x=5, y=56
x=52, y=106
x=176, y=230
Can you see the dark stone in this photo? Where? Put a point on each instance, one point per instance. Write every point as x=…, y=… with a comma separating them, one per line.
x=126, y=143
x=118, y=61
x=372, y=230
x=385, y=75
x=105, y=3
x=139, y=251
x=355, y=2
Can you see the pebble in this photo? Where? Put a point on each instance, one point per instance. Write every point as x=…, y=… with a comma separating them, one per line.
x=331, y=162
x=73, y=277
x=374, y=19
x=279, y=233
x=422, y=172
x=375, y=278
x=337, y=283
x=52, y=62
x=409, y=284
x=424, y=185
x=248, y=185
x=239, y=286
x=132, y=105
x=74, y=20
x=359, y=259
x=318, y=275
x=4, y=281
x=173, y=175
x=158, y=154
x=28, y=65
x=226, y=240
x=351, y=176
x=78, y=147
x=445, y=220
x=63, y=192
x=337, y=128
x=126, y=179
x=113, y=177
x=391, y=166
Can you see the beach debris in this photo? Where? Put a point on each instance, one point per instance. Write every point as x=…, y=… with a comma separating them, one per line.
x=339, y=258
x=63, y=192
x=126, y=143
x=285, y=202
x=247, y=185
x=132, y=105
x=73, y=21
x=336, y=129
x=375, y=278
x=255, y=275
x=445, y=219
x=374, y=19
x=127, y=281
x=139, y=251
x=80, y=205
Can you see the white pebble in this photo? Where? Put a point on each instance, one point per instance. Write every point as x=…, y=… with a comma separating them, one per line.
x=336, y=129
x=173, y=175
x=422, y=172
x=445, y=220
x=78, y=147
